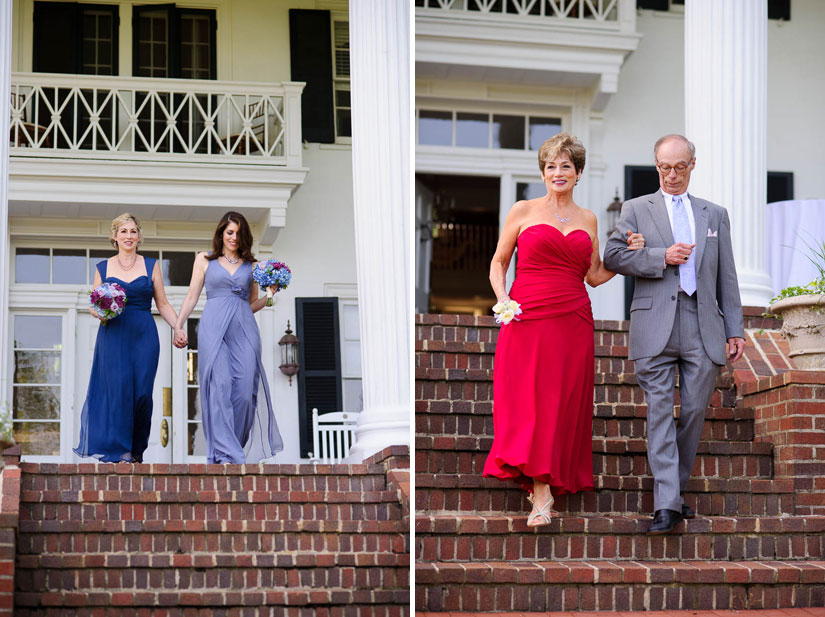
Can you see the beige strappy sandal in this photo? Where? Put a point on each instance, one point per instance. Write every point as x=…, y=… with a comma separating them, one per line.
x=545, y=513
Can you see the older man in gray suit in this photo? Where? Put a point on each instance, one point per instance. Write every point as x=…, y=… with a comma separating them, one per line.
x=685, y=307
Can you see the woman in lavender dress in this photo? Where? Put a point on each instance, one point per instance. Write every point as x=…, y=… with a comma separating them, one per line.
x=229, y=349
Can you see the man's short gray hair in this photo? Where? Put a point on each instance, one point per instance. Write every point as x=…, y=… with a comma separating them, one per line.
x=682, y=138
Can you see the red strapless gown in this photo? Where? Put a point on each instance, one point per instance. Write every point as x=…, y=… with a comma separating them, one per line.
x=543, y=377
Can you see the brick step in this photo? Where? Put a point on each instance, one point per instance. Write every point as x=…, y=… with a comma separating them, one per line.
x=619, y=586
x=461, y=537
x=466, y=418
x=208, y=571
x=45, y=537
x=706, y=466
x=214, y=599
x=614, y=495
x=296, y=610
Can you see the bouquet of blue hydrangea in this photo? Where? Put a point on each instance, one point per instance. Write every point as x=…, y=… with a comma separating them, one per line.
x=273, y=276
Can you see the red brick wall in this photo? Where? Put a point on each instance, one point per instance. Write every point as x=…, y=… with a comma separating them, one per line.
x=9, y=514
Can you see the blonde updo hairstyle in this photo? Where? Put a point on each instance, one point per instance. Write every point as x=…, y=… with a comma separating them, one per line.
x=120, y=220
x=563, y=143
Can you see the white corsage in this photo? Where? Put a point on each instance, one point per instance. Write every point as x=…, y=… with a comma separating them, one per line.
x=507, y=311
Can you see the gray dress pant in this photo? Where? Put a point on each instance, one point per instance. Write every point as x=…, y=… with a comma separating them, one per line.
x=671, y=447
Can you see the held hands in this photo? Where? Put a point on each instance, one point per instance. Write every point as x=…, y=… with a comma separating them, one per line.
x=181, y=339
x=635, y=241
x=678, y=254
x=736, y=347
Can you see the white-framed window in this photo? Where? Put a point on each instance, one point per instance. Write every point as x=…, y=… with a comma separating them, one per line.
x=341, y=80
x=352, y=390
x=195, y=438
x=483, y=129
x=73, y=266
x=41, y=383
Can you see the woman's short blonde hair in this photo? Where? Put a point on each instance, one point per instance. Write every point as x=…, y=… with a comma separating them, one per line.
x=120, y=220
x=563, y=142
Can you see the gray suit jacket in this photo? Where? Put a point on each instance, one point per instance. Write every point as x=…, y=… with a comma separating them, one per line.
x=657, y=285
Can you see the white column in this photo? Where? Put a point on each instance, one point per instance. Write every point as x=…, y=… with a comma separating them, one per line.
x=379, y=68
x=5, y=101
x=726, y=46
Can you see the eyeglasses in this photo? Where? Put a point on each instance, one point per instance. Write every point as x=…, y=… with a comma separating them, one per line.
x=679, y=168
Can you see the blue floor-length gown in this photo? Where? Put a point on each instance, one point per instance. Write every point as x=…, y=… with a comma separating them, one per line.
x=230, y=371
x=117, y=414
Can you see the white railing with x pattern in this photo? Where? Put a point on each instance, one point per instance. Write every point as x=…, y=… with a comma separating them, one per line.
x=158, y=119
x=592, y=10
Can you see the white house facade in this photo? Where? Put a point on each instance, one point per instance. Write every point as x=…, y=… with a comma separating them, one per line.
x=178, y=113
x=742, y=79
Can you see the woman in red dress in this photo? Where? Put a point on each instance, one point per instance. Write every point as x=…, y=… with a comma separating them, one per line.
x=543, y=378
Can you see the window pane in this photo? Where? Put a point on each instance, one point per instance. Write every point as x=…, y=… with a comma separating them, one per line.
x=69, y=266
x=36, y=402
x=542, y=129
x=38, y=437
x=197, y=442
x=508, y=132
x=192, y=367
x=37, y=367
x=353, y=395
x=37, y=332
x=31, y=266
x=472, y=130
x=435, y=128
x=351, y=353
x=530, y=190
x=344, y=123
x=95, y=257
x=177, y=267
x=342, y=98
x=192, y=332
x=193, y=404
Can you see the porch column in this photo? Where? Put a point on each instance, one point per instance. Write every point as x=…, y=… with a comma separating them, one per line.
x=379, y=67
x=5, y=111
x=726, y=45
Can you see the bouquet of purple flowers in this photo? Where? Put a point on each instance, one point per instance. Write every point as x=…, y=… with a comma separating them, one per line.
x=108, y=301
x=271, y=274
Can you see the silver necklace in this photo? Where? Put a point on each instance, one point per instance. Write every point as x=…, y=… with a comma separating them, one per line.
x=230, y=261
x=125, y=268
x=562, y=218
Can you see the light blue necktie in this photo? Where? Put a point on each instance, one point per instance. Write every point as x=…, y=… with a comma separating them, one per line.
x=681, y=233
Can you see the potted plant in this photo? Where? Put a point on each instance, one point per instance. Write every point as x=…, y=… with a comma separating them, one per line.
x=802, y=310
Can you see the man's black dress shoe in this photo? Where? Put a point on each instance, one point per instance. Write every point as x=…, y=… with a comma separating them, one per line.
x=687, y=512
x=664, y=521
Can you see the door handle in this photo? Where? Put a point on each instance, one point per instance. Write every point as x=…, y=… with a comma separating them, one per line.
x=164, y=433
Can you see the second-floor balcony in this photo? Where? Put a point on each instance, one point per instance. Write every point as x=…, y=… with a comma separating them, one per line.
x=145, y=145
x=546, y=43
x=135, y=118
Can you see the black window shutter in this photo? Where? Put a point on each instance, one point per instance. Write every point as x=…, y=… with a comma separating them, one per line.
x=56, y=38
x=310, y=49
x=319, y=353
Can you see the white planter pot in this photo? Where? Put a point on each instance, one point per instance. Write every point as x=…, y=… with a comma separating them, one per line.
x=803, y=326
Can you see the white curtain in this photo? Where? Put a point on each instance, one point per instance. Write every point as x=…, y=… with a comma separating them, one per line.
x=789, y=226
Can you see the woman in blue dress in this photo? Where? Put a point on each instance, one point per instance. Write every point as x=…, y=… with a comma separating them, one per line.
x=236, y=428
x=117, y=414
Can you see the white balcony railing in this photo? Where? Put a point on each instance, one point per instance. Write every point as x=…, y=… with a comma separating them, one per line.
x=568, y=10
x=157, y=119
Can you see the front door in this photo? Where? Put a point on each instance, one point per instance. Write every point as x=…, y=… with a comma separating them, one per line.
x=162, y=394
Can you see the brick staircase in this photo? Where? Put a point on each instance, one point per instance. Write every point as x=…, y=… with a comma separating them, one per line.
x=758, y=540
x=214, y=540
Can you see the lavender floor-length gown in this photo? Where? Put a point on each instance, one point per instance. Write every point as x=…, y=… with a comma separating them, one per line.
x=230, y=371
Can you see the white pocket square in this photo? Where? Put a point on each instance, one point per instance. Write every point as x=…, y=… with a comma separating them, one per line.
x=712, y=234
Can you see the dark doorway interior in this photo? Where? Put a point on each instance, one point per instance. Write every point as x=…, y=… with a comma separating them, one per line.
x=465, y=213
